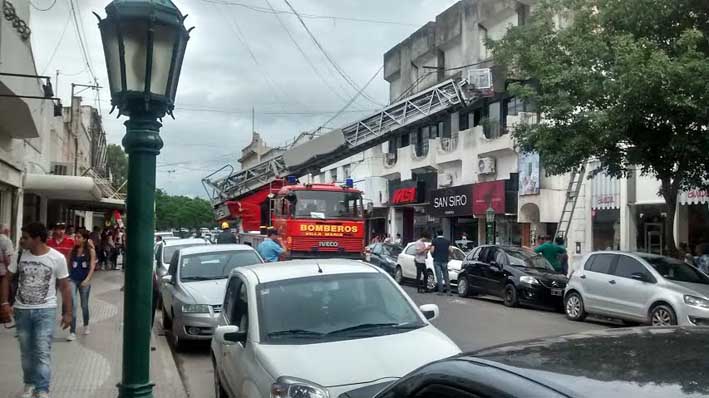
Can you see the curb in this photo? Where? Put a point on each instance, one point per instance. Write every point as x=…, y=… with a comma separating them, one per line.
x=164, y=362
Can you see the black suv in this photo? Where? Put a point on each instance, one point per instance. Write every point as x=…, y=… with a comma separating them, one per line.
x=516, y=274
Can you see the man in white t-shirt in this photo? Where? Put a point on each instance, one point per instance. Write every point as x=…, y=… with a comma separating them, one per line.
x=6, y=249
x=40, y=269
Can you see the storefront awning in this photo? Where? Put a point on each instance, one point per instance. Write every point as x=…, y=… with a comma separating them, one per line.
x=693, y=197
x=75, y=190
x=605, y=191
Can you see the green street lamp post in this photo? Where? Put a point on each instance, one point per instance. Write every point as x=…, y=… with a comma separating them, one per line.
x=490, y=219
x=144, y=44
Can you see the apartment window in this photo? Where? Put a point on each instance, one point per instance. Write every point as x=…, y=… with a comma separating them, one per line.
x=494, y=124
x=463, y=121
x=483, y=42
x=346, y=170
x=404, y=140
x=522, y=14
x=477, y=117
x=333, y=175
x=60, y=169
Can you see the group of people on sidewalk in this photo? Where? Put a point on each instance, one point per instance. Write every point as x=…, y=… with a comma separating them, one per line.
x=29, y=282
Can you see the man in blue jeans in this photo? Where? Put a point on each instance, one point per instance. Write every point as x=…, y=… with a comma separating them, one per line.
x=40, y=269
x=440, y=251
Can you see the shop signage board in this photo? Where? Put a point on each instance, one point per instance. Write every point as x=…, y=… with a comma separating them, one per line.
x=529, y=173
x=489, y=194
x=407, y=192
x=452, y=202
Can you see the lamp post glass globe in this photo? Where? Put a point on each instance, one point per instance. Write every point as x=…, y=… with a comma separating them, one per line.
x=144, y=44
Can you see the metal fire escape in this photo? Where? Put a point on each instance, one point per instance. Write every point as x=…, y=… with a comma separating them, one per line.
x=572, y=196
x=339, y=144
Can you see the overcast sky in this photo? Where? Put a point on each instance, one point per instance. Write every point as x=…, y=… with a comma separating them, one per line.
x=237, y=58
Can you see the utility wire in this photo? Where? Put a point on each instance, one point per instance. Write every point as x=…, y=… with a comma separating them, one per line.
x=330, y=59
x=240, y=36
x=59, y=42
x=54, y=2
x=347, y=105
x=82, y=45
x=309, y=16
x=305, y=56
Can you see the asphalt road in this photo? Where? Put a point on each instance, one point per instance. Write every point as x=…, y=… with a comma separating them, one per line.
x=472, y=323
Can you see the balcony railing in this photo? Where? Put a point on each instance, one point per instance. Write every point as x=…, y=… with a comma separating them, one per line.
x=390, y=159
x=419, y=150
x=449, y=144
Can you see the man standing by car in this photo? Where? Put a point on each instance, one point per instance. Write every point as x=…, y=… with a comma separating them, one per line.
x=551, y=252
x=422, y=249
x=271, y=248
x=440, y=250
x=226, y=236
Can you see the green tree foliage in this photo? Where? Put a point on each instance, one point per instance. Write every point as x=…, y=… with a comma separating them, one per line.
x=622, y=81
x=117, y=162
x=181, y=212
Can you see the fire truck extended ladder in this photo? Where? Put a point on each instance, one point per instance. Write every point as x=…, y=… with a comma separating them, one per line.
x=572, y=196
x=355, y=138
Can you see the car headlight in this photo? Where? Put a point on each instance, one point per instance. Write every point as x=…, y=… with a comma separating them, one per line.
x=529, y=279
x=195, y=308
x=696, y=301
x=291, y=387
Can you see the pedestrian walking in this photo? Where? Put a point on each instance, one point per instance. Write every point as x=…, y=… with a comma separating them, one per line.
x=41, y=269
x=6, y=250
x=440, y=250
x=422, y=249
x=81, y=268
x=226, y=236
x=60, y=241
x=551, y=252
x=271, y=248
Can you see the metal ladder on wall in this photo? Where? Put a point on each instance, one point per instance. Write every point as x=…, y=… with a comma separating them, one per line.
x=572, y=196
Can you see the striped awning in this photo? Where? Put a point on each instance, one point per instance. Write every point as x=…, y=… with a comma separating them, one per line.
x=694, y=197
x=605, y=191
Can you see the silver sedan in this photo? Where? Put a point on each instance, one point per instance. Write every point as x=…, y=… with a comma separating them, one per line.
x=192, y=291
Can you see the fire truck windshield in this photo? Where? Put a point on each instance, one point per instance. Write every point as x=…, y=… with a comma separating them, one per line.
x=327, y=204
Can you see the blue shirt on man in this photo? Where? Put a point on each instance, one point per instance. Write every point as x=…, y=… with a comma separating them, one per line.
x=269, y=250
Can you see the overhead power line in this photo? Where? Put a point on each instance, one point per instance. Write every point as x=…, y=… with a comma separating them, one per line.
x=351, y=101
x=330, y=59
x=309, y=16
x=59, y=42
x=305, y=56
x=82, y=45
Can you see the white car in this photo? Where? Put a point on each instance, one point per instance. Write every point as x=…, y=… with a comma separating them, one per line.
x=318, y=329
x=407, y=268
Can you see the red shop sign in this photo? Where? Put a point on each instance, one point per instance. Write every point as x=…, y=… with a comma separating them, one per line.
x=489, y=194
x=404, y=195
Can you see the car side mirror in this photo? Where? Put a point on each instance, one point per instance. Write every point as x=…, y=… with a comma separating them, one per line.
x=638, y=277
x=430, y=311
x=229, y=335
x=166, y=278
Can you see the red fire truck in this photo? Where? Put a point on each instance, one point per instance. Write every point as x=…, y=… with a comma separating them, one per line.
x=313, y=220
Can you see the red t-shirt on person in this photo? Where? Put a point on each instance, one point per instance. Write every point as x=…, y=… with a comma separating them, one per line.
x=64, y=247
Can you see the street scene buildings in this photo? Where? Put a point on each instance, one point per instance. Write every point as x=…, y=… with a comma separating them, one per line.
x=515, y=204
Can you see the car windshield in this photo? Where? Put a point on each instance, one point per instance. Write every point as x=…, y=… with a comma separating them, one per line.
x=327, y=204
x=304, y=310
x=525, y=258
x=676, y=270
x=392, y=250
x=168, y=251
x=215, y=265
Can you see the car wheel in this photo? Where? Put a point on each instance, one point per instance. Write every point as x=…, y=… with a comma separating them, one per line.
x=219, y=391
x=463, y=287
x=177, y=342
x=398, y=275
x=573, y=306
x=430, y=281
x=662, y=315
x=511, y=295
x=166, y=321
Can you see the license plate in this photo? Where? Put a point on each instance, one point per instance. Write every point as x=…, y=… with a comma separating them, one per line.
x=556, y=292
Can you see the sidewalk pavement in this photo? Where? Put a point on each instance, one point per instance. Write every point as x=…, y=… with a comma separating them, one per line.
x=90, y=367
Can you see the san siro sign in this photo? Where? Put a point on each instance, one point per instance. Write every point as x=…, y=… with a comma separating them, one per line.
x=452, y=202
x=307, y=229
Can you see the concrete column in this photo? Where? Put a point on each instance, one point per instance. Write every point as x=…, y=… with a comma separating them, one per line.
x=447, y=228
x=681, y=227
x=482, y=232
x=43, y=210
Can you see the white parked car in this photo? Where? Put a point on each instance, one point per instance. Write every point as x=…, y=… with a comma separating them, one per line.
x=310, y=329
x=164, y=250
x=407, y=266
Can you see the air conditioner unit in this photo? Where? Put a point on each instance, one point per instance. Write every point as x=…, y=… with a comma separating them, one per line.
x=445, y=180
x=527, y=118
x=486, y=165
